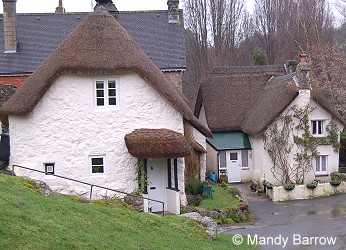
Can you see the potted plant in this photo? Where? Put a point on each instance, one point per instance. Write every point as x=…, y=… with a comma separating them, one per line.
x=312, y=185
x=269, y=185
x=335, y=183
x=289, y=186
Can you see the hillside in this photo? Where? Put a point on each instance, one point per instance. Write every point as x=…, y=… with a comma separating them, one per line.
x=32, y=221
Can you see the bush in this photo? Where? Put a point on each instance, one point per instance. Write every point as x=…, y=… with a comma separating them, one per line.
x=194, y=187
x=234, y=191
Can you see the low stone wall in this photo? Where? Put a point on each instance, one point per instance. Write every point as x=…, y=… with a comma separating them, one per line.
x=301, y=192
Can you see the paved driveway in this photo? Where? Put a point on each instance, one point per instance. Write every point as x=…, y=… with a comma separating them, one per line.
x=304, y=224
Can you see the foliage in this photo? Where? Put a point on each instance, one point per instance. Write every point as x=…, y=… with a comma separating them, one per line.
x=222, y=199
x=279, y=146
x=141, y=176
x=32, y=221
x=223, y=183
x=278, y=143
x=312, y=185
x=333, y=135
x=234, y=191
x=194, y=187
x=259, y=58
x=305, y=142
x=224, y=220
x=289, y=186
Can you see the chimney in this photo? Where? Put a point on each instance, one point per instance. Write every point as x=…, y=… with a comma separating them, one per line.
x=303, y=73
x=109, y=5
x=60, y=9
x=173, y=11
x=291, y=66
x=10, y=26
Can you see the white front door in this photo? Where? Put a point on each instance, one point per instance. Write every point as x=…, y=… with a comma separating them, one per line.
x=233, y=162
x=156, y=186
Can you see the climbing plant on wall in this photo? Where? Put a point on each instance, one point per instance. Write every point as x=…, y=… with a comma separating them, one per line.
x=292, y=130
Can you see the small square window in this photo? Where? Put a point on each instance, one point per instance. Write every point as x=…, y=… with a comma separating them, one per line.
x=234, y=156
x=97, y=164
x=49, y=168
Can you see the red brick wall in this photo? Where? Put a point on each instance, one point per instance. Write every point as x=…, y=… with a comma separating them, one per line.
x=15, y=80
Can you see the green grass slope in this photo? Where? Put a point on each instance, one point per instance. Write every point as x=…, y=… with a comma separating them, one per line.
x=29, y=220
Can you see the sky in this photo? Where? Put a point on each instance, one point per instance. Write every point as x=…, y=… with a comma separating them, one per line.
x=44, y=6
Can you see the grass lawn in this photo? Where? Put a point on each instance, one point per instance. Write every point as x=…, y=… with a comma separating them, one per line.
x=32, y=221
x=222, y=199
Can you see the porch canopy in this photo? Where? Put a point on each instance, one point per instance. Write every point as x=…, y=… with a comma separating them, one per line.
x=229, y=141
x=156, y=143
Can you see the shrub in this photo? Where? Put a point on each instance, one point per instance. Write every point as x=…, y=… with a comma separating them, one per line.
x=194, y=187
x=234, y=191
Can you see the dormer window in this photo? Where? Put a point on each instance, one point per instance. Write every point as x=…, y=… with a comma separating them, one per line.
x=106, y=93
x=318, y=127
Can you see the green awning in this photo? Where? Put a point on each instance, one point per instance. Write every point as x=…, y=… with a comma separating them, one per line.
x=229, y=141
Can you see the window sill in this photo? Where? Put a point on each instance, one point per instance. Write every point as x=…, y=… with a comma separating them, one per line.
x=98, y=175
x=247, y=168
x=321, y=175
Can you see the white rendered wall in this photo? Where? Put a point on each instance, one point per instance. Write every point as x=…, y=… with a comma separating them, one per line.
x=263, y=161
x=65, y=128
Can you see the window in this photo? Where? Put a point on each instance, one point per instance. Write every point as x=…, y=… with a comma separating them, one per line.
x=233, y=156
x=321, y=164
x=49, y=168
x=97, y=164
x=106, y=93
x=245, y=158
x=317, y=128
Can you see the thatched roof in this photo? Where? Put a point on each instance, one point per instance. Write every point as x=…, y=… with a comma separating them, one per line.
x=250, y=102
x=99, y=45
x=228, y=94
x=157, y=143
x=272, y=100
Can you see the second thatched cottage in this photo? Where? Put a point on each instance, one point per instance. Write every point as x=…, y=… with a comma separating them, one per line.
x=269, y=125
x=94, y=107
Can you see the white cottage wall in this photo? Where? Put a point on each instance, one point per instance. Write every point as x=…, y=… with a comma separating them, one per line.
x=66, y=128
x=319, y=113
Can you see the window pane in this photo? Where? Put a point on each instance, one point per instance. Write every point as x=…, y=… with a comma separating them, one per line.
x=99, y=84
x=111, y=92
x=320, y=127
x=324, y=163
x=112, y=101
x=313, y=125
x=100, y=102
x=111, y=84
x=99, y=93
x=234, y=156
x=318, y=165
x=244, y=156
x=97, y=161
x=97, y=169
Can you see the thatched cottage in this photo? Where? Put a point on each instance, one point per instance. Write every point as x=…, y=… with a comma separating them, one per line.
x=94, y=107
x=242, y=105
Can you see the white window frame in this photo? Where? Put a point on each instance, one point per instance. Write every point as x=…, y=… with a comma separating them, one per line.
x=319, y=162
x=91, y=157
x=318, y=133
x=49, y=168
x=106, y=96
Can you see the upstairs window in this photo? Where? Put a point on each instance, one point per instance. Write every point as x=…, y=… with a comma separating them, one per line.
x=317, y=128
x=106, y=93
